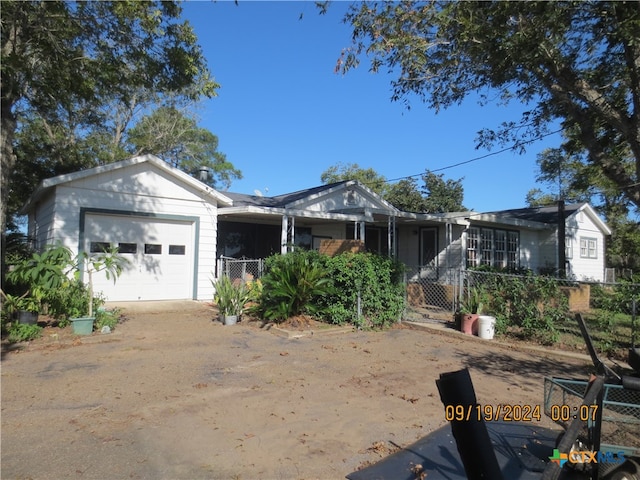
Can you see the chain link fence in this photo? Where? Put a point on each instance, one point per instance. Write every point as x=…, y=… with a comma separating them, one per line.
x=245, y=269
x=432, y=292
x=581, y=295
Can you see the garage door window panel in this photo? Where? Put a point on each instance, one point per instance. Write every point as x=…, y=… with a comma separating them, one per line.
x=99, y=247
x=131, y=248
x=177, y=249
x=153, y=249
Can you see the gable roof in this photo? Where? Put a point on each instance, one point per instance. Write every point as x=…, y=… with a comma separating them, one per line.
x=547, y=215
x=543, y=214
x=278, y=201
x=49, y=183
x=295, y=198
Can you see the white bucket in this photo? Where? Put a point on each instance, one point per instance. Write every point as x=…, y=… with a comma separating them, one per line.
x=486, y=327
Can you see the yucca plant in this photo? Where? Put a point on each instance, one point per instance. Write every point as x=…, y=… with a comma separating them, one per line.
x=229, y=298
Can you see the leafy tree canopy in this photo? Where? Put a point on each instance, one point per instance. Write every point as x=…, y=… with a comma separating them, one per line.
x=178, y=140
x=576, y=64
x=76, y=74
x=437, y=195
x=352, y=171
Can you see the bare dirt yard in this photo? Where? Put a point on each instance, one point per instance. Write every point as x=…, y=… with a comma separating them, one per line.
x=174, y=394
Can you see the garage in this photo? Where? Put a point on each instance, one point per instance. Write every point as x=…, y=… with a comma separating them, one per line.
x=159, y=253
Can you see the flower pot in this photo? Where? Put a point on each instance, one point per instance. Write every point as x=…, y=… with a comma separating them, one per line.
x=82, y=326
x=230, y=319
x=30, y=318
x=469, y=323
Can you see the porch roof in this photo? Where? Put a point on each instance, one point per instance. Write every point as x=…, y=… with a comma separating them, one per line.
x=252, y=211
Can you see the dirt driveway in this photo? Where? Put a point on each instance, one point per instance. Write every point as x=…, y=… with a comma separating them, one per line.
x=174, y=395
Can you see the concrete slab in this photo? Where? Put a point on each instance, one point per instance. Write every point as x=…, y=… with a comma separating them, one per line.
x=159, y=306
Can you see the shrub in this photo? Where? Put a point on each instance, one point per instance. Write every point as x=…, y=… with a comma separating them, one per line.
x=229, y=298
x=293, y=284
x=68, y=302
x=377, y=280
x=533, y=303
x=22, y=332
x=106, y=318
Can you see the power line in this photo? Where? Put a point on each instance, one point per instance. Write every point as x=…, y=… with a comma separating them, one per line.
x=476, y=158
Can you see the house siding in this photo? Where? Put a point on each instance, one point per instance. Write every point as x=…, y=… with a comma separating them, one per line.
x=41, y=225
x=580, y=225
x=339, y=200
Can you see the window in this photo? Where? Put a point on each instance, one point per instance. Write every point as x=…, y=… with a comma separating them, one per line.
x=99, y=247
x=303, y=237
x=152, y=249
x=568, y=248
x=127, y=248
x=513, y=249
x=492, y=247
x=588, y=247
x=473, y=243
x=500, y=249
x=487, y=247
x=177, y=249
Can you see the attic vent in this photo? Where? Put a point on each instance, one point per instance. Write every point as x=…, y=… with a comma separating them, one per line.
x=352, y=197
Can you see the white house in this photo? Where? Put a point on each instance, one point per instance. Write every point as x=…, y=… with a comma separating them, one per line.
x=173, y=228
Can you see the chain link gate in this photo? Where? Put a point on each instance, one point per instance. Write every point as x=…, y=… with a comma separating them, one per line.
x=245, y=269
x=432, y=293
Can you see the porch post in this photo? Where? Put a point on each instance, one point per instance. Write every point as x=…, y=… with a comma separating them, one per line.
x=391, y=235
x=362, y=230
x=283, y=234
x=291, y=234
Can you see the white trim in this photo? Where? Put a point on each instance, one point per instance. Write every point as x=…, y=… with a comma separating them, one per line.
x=386, y=206
x=278, y=211
x=152, y=159
x=595, y=218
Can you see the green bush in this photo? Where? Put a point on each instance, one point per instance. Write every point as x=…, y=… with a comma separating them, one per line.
x=376, y=278
x=22, y=332
x=616, y=298
x=533, y=303
x=70, y=301
x=328, y=288
x=294, y=284
x=106, y=318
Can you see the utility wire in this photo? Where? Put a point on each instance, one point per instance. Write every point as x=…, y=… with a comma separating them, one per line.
x=476, y=158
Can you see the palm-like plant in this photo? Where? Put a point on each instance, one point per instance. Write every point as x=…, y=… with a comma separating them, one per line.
x=292, y=284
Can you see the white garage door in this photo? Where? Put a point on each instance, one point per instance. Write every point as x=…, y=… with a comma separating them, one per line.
x=160, y=254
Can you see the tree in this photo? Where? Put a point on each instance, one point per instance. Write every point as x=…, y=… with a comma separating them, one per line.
x=436, y=196
x=178, y=140
x=406, y=196
x=441, y=195
x=352, y=171
x=67, y=66
x=572, y=63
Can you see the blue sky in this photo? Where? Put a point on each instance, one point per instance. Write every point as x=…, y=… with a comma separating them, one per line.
x=283, y=116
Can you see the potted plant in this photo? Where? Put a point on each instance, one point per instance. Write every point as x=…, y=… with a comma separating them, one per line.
x=28, y=309
x=111, y=263
x=230, y=299
x=25, y=309
x=470, y=311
